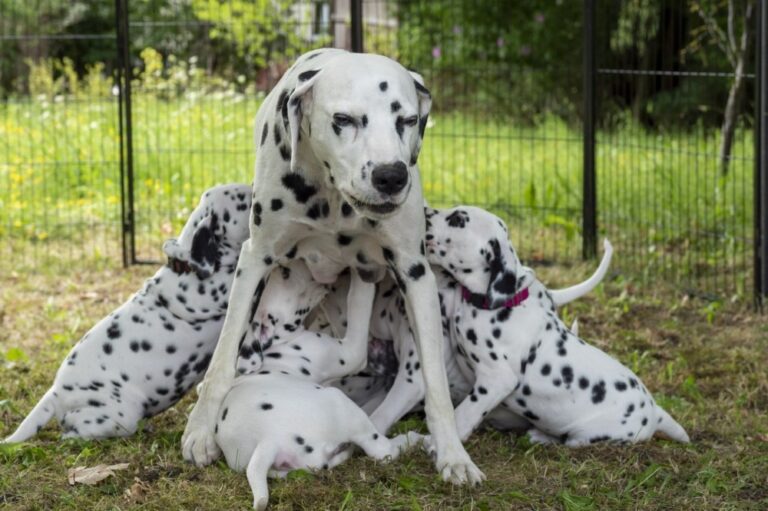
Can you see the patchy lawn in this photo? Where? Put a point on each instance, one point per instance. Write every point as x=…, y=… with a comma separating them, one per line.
x=706, y=363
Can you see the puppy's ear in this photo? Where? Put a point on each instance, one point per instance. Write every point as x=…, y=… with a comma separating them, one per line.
x=198, y=243
x=425, y=104
x=507, y=275
x=299, y=101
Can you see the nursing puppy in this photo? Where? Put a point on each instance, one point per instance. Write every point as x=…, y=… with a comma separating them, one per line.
x=144, y=356
x=281, y=417
x=522, y=355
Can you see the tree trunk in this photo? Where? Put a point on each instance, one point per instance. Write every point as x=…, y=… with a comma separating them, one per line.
x=731, y=117
x=732, y=107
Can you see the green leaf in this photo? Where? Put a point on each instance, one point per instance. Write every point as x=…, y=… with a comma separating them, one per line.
x=576, y=502
x=16, y=355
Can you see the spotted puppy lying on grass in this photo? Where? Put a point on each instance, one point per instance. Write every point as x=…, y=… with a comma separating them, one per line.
x=522, y=355
x=281, y=417
x=144, y=356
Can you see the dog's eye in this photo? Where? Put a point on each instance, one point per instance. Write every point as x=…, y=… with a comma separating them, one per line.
x=342, y=120
x=411, y=121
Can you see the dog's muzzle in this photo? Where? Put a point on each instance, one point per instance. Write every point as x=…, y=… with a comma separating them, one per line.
x=390, y=178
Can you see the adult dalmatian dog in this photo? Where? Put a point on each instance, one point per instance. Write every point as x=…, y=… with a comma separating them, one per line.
x=520, y=353
x=145, y=355
x=338, y=140
x=281, y=417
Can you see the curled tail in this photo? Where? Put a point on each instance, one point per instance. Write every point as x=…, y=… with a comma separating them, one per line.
x=37, y=418
x=569, y=294
x=670, y=428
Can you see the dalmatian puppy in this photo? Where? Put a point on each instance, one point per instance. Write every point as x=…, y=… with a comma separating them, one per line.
x=522, y=355
x=282, y=417
x=338, y=140
x=144, y=356
x=407, y=389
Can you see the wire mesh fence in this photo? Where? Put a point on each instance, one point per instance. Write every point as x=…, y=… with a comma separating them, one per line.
x=507, y=130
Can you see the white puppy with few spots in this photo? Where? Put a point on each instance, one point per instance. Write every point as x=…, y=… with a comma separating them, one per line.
x=144, y=356
x=281, y=417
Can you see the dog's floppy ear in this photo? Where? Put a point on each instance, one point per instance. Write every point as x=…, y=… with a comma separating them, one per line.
x=198, y=243
x=425, y=104
x=507, y=275
x=299, y=101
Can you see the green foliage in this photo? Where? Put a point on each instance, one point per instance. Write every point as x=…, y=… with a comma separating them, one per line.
x=256, y=30
x=490, y=54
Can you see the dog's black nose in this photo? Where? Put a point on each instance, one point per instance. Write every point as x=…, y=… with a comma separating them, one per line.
x=390, y=178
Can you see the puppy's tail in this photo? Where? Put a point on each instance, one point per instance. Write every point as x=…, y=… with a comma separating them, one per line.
x=670, y=428
x=569, y=294
x=37, y=418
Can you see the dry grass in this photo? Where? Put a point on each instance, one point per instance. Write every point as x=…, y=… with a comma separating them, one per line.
x=706, y=363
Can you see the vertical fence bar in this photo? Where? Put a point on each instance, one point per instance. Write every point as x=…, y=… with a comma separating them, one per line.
x=589, y=193
x=126, y=133
x=356, y=25
x=761, y=155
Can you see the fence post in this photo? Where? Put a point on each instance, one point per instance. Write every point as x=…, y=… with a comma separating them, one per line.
x=761, y=156
x=589, y=193
x=356, y=25
x=123, y=76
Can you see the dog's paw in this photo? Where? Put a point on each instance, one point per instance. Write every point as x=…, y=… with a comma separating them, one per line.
x=260, y=503
x=198, y=445
x=456, y=467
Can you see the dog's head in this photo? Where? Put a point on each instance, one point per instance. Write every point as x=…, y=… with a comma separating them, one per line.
x=473, y=246
x=213, y=233
x=290, y=295
x=363, y=117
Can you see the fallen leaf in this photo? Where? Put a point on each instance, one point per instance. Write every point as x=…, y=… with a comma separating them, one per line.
x=137, y=491
x=92, y=475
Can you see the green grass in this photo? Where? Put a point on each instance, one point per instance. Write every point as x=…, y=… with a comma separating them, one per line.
x=705, y=364
x=660, y=198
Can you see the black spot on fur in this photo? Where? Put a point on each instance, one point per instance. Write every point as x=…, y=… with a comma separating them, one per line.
x=598, y=392
x=416, y=271
x=298, y=185
x=276, y=204
x=343, y=240
x=264, y=132
x=306, y=75
x=267, y=406
x=395, y=106
x=113, y=332
x=383, y=86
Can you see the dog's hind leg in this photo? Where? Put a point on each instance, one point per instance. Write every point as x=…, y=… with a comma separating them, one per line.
x=100, y=422
x=37, y=418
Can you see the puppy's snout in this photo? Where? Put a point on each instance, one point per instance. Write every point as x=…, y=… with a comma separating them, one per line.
x=390, y=178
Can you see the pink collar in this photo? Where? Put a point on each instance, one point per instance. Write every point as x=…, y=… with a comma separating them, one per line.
x=481, y=301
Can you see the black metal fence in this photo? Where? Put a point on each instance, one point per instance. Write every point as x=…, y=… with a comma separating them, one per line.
x=116, y=116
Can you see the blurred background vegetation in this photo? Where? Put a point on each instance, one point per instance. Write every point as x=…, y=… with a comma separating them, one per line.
x=675, y=110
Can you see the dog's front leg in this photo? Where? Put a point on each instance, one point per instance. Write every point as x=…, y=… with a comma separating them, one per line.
x=490, y=389
x=198, y=444
x=418, y=283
